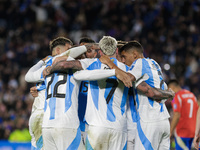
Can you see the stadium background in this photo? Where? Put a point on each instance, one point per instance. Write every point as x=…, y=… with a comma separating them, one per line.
x=168, y=30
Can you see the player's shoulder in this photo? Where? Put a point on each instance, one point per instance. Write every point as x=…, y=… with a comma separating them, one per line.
x=122, y=66
x=186, y=93
x=89, y=59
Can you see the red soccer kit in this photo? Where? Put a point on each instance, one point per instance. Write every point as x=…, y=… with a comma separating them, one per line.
x=186, y=104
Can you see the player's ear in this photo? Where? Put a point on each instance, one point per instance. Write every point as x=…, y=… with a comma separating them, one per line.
x=101, y=53
x=117, y=51
x=135, y=55
x=57, y=50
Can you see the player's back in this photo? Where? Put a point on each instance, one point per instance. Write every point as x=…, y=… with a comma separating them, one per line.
x=106, y=99
x=149, y=110
x=61, y=105
x=185, y=102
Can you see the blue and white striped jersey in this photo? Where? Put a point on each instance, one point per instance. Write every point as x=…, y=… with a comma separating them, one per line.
x=61, y=105
x=132, y=114
x=149, y=110
x=106, y=101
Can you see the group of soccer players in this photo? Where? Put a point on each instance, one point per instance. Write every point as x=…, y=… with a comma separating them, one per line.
x=116, y=101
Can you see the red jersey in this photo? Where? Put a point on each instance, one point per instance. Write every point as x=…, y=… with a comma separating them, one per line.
x=186, y=104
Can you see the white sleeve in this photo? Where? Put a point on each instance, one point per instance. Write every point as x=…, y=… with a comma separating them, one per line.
x=34, y=73
x=77, y=51
x=35, y=76
x=70, y=58
x=87, y=62
x=93, y=74
x=136, y=69
x=74, y=52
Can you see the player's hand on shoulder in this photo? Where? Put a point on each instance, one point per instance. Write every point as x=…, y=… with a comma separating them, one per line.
x=124, y=77
x=33, y=91
x=105, y=59
x=46, y=71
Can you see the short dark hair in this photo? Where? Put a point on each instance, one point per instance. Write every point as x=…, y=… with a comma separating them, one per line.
x=86, y=40
x=173, y=81
x=132, y=45
x=59, y=41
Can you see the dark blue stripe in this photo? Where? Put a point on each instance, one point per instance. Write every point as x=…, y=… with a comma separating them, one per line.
x=132, y=108
x=137, y=99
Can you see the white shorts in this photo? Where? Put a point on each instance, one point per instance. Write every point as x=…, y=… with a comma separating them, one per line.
x=62, y=139
x=35, y=128
x=84, y=134
x=101, y=138
x=131, y=139
x=153, y=135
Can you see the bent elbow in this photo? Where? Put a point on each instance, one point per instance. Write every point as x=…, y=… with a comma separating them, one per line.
x=27, y=79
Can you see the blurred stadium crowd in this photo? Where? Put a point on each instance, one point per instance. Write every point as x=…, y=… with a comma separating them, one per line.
x=168, y=30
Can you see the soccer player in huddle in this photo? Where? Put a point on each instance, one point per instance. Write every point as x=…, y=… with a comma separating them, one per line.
x=36, y=118
x=57, y=46
x=153, y=128
x=82, y=97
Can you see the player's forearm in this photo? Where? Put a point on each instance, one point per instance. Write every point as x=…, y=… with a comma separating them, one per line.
x=156, y=94
x=63, y=66
x=174, y=122
x=77, y=51
x=197, y=130
x=162, y=94
x=93, y=74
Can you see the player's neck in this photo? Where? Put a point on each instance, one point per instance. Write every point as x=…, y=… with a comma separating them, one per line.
x=113, y=56
x=178, y=89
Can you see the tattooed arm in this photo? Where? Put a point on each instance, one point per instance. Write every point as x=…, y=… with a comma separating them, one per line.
x=155, y=93
x=62, y=66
